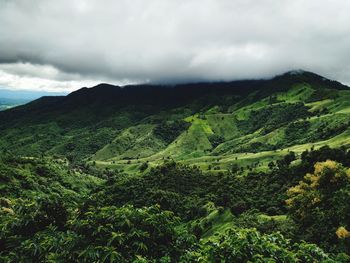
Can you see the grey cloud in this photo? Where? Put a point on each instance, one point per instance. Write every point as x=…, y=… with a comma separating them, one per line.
x=172, y=41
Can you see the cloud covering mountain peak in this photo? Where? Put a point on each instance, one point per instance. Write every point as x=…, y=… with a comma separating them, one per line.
x=63, y=45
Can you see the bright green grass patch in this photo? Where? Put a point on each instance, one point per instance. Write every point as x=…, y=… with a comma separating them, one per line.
x=299, y=92
x=264, y=217
x=134, y=142
x=220, y=222
x=319, y=105
x=223, y=125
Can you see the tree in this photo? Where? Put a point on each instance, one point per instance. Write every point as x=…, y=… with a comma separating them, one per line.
x=320, y=204
x=248, y=245
x=235, y=168
x=143, y=167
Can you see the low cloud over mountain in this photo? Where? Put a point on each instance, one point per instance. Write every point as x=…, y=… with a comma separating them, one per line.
x=63, y=45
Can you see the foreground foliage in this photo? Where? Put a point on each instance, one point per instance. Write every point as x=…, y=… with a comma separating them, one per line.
x=176, y=213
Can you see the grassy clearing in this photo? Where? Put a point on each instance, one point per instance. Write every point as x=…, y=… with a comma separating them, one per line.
x=219, y=221
x=297, y=93
x=134, y=142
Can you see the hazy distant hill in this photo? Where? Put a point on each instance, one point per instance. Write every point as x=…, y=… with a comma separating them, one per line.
x=6, y=103
x=11, y=98
x=26, y=94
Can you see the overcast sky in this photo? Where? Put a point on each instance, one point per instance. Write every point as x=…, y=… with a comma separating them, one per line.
x=62, y=45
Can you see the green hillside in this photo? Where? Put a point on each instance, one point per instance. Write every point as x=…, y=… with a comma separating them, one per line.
x=211, y=126
x=244, y=171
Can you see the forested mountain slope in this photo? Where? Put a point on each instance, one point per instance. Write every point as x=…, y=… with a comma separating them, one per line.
x=212, y=125
x=247, y=171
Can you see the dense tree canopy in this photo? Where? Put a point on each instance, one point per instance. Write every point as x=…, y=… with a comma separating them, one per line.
x=320, y=205
x=176, y=213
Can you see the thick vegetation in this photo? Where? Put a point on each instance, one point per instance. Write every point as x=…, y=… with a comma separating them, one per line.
x=175, y=213
x=255, y=171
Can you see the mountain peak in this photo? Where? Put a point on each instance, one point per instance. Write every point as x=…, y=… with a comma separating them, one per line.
x=296, y=72
x=303, y=76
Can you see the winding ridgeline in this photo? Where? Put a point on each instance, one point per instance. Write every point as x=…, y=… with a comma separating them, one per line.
x=242, y=171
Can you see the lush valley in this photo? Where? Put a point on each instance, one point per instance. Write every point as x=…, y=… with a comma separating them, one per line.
x=245, y=171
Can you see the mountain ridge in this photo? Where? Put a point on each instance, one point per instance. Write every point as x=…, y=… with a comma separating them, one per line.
x=110, y=91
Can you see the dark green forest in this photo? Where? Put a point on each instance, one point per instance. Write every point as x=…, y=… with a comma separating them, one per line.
x=247, y=171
